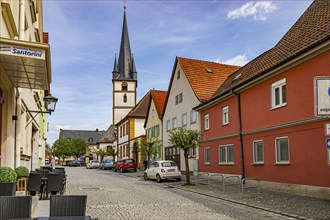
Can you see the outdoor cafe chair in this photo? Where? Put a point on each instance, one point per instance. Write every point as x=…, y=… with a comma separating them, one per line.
x=67, y=205
x=35, y=184
x=55, y=183
x=14, y=207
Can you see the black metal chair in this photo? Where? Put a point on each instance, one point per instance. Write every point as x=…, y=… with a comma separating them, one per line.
x=14, y=207
x=68, y=205
x=55, y=183
x=35, y=184
x=8, y=189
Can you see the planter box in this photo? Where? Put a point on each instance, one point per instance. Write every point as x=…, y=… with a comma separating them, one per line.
x=8, y=189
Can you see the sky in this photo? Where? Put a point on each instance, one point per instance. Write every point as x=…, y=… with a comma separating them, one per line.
x=84, y=36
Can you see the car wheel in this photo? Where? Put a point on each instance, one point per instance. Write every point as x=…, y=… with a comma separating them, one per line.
x=114, y=170
x=178, y=179
x=158, y=178
x=135, y=170
x=145, y=176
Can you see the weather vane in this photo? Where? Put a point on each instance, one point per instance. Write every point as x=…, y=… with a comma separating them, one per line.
x=124, y=5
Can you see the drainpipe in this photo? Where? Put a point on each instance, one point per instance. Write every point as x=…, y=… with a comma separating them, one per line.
x=21, y=20
x=17, y=139
x=240, y=134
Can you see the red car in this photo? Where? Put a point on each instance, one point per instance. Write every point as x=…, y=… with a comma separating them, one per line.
x=125, y=164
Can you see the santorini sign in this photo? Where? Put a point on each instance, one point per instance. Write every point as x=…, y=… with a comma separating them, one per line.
x=322, y=96
x=22, y=51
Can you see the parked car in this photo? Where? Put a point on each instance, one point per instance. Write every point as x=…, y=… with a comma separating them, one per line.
x=125, y=164
x=106, y=164
x=164, y=169
x=73, y=163
x=93, y=164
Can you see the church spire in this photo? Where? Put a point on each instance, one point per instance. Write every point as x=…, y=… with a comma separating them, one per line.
x=125, y=58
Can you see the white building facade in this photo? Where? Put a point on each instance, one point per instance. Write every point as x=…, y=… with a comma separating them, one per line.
x=25, y=77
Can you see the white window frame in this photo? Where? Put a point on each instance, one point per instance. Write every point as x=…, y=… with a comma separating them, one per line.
x=278, y=160
x=227, y=162
x=153, y=112
x=278, y=85
x=184, y=119
x=225, y=115
x=168, y=125
x=174, y=123
x=193, y=117
x=207, y=160
x=206, y=122
x=254, y=150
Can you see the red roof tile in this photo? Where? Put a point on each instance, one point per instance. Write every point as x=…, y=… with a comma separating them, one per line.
x=159, y=98
x=203, y=83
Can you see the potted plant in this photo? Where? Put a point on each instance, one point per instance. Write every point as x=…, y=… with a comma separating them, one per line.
x=22, y=171
x=7, y=181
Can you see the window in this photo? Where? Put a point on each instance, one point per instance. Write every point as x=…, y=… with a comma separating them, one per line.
x=156, y=130
x=184, y=119
x=279, y=94
x=225, y=115
x=153, y=112
x=178, y=74
x=192, y=152
x=207, y=155
x=282, y=150
x=226, y=154
x=178, y=99
x=193, y=117
x=168, y=125
x=125, y=98
x=206, y=122
x=149, y=133
x=124, y=86
x=258, y=152
x=174, y=124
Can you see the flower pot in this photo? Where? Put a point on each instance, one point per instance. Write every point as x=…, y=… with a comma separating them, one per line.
x=8, y=189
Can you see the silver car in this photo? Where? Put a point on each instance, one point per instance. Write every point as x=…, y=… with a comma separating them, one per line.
x=93, y=164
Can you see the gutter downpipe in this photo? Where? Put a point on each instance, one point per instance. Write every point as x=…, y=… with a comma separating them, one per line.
x=17, y=131
x=240, y=133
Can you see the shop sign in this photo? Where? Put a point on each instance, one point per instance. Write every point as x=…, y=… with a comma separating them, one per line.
x=322, y=96
x=21, y=51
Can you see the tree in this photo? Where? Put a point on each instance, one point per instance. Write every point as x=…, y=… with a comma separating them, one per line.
x=62, y=148
x=102, y=153
x=186, y=140
x=149, y=147
x=78, y=147
x=112, y=152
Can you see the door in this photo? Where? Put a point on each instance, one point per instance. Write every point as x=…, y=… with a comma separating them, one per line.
x=173, y=153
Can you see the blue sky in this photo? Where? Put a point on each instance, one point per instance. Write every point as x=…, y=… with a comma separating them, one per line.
x=85, y=36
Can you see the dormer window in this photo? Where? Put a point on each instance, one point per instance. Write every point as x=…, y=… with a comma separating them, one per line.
x=90, y=140
x=124, y=86
x=208, y=70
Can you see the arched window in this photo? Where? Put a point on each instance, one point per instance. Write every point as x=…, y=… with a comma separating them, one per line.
x=125, y=98
x=124, y=86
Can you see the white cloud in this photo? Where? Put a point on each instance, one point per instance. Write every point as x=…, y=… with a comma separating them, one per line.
x=258, y=10
x=239, y=60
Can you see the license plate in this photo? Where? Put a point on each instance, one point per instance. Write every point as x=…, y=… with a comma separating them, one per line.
x=170, y=170
x=130, y=164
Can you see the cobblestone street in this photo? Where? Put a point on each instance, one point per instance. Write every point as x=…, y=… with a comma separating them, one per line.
x=127, y=196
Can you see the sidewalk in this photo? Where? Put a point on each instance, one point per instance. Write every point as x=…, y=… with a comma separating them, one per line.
x=292, y=205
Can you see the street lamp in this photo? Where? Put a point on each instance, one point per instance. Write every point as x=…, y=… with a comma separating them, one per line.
x=50, y=104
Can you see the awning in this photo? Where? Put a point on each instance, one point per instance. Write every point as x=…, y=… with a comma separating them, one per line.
x=27, y=64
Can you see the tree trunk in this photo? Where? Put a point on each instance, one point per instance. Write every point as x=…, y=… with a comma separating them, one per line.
x=187, y=167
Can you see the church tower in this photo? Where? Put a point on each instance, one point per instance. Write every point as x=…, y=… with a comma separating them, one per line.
x=124, y=78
